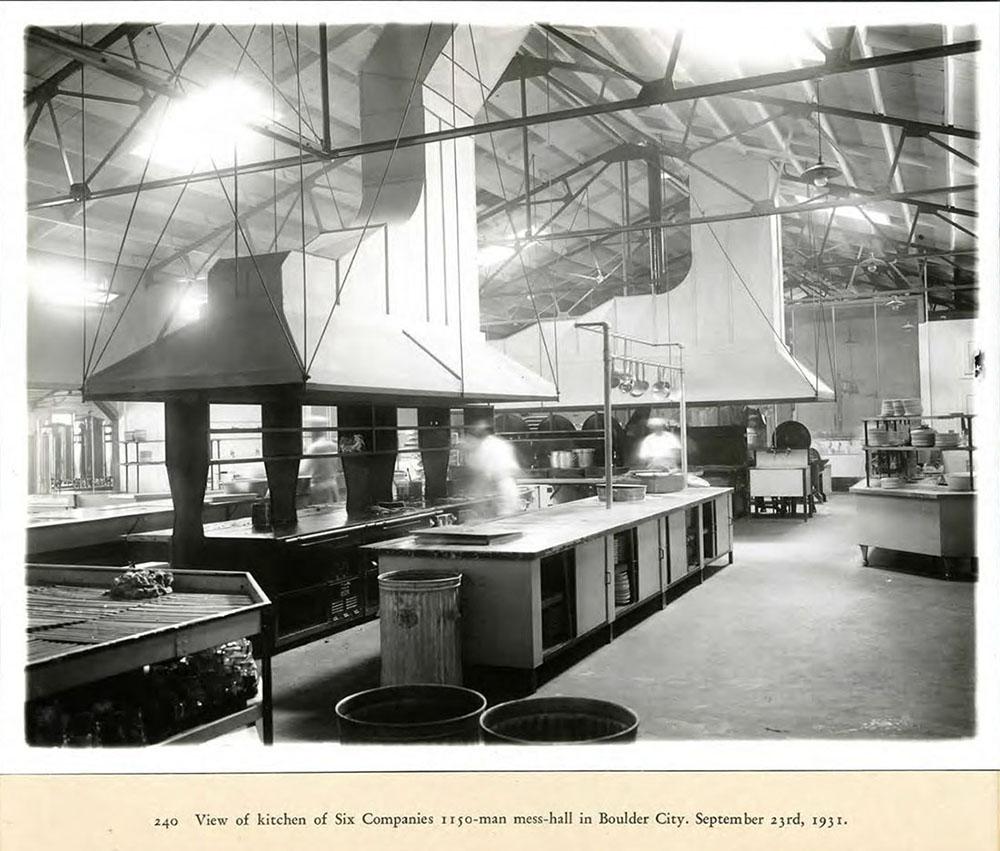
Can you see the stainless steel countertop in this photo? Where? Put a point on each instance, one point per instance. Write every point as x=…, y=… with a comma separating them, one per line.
x=549, y=530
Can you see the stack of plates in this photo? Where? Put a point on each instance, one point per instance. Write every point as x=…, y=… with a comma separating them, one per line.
x=948, y=439
x=878, y=437
x=897, y=408
x=912, y=407
x=888, y=407
x=891, y=482
x=897, y=438
x=922, y=437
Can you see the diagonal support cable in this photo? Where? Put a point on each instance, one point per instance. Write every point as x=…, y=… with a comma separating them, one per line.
x=503, y=192
x=142, y=274
x=125, y=232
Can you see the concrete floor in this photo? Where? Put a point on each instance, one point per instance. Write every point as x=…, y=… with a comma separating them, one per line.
x=796, y=639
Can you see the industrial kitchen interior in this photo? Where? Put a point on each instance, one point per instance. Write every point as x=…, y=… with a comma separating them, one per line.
x=526, y=383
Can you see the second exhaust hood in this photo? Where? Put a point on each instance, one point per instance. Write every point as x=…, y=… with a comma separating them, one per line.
x=728, y=312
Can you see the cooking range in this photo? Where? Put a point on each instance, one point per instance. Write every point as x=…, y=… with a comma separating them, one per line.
x=315, y=573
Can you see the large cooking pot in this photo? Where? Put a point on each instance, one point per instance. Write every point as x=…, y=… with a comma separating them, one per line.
x=584, y=457
x=562, y=459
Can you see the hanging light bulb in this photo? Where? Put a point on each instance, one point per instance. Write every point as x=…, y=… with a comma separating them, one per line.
x=819, y=174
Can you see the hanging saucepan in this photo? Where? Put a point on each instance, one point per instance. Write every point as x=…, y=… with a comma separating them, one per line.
x=662, y=386
x=640, y=385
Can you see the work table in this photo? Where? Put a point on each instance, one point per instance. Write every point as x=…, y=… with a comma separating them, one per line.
x=552, y=529
x=575, y=572
x=912, y=491
x=51, y=528
x=915, y=518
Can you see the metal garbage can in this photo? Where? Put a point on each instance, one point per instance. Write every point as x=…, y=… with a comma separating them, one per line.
x=420, y=627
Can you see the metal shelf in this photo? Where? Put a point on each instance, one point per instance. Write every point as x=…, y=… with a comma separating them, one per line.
x=131, y=641
x=918, y=448
x=956, y=416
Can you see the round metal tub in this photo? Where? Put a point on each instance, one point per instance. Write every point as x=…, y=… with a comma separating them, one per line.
x=414, y=714
x=559, y=721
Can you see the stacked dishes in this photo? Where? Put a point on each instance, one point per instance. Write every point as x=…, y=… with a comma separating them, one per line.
x=948, y=439
x=897, y=438
x=922, y=437
x=897, y=408
x=912, y=407
x=888, y=407
x=891, y=482
x=878, y=437
x=623, y=588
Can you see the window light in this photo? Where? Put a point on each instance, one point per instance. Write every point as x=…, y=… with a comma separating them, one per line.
x=205, y=125
x=70, y=290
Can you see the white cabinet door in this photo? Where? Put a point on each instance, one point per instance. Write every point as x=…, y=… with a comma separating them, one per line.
x=723, y=524
x=591, y=586
x=649, y=559
x=676, y=546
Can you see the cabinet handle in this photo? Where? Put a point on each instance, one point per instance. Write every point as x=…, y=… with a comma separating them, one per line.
x=662, y=553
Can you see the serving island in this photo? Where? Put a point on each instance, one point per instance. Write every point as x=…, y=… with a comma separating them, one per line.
x=917, y=518
x=551, y=579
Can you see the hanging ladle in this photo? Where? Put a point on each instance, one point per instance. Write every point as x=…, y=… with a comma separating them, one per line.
x=640, y=385
x=616, y=374
x=661, y=387
x=625, y=385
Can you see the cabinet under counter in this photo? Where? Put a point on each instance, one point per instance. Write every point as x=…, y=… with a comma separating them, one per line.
x=529, y=598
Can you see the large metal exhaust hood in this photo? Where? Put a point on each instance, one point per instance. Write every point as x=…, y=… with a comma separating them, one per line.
x=728, y=312
x=386, y=308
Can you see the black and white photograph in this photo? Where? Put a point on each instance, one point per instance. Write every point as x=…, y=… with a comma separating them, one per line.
x=405, y=376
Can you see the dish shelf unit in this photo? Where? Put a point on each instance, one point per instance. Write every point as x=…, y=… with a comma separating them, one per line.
x=903, y=424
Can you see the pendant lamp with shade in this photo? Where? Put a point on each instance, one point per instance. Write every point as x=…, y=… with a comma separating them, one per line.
x=819, y=174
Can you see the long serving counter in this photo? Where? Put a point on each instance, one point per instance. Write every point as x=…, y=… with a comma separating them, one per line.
x=916, y=518
x=313, y=572
x=562, y=580
x=98, y=529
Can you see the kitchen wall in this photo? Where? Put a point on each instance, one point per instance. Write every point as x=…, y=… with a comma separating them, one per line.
x=864, y=352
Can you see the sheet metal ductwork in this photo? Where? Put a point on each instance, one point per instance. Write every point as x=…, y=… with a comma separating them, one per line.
x=728, y=312
x=387, y=313
x=392, y=103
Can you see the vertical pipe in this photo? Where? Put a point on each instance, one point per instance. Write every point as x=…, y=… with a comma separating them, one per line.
x=684, y=455
x=609, y=459
x=655, y=210
x=527, y=165
x=621, y=172
x=627, y=259
x=838, y=401
x=324, y=83
x=927, y=301
x=877, y=377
